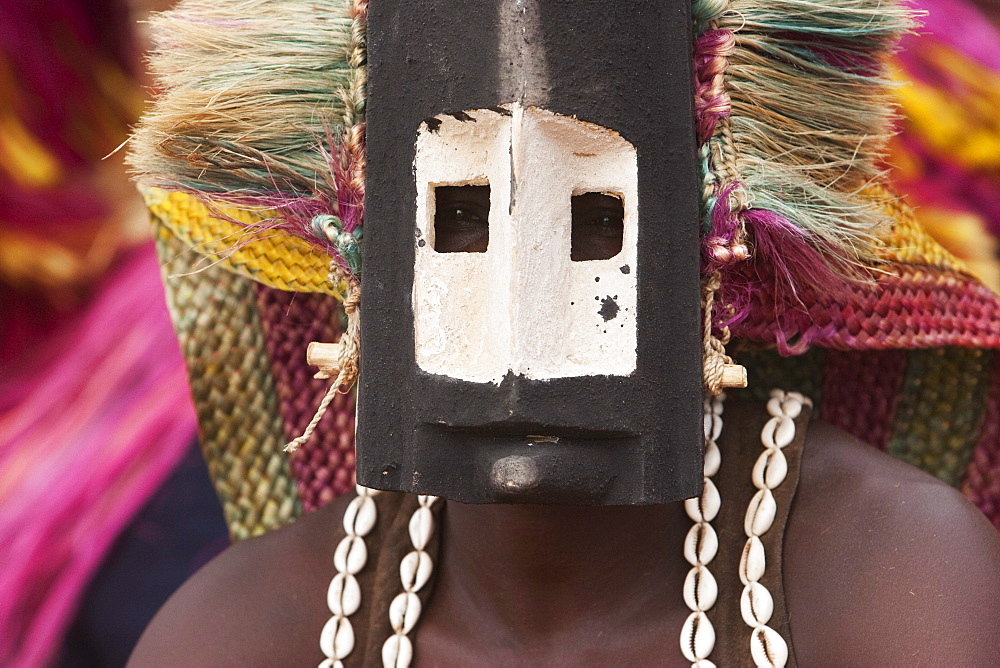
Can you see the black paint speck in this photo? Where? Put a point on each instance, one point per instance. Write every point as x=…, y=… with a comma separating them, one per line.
x=501, y=110
x=626, y=269
x=462, y=116
x=572, y=303
x=422, y=243
x=597, y=279
x=433, y=124
x=609, y=308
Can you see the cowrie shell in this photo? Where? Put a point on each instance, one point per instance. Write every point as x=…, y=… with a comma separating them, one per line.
x=774, y=406
x=337, y=637
x=700, y=589
x=705, y=507
x=792, y=407
x=360, y=516
x=713, y=426
x=760, y=513
x=768, y=648
x=713, y=459
x=701, y=544
x=415, y=570
x=798, y=396
x=777, y=394
x=397, y=652
x=404, y=611
x=713, y=405
x=702, y=663
x=778, y=432
x=770, y=470
x=756, y=604
x=426, y=500
x=343, y=596
x=752, y=561
x=421, y=527
x=351, y=555
x=697, y=637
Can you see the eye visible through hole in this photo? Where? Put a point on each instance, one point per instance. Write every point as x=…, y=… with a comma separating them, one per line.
x=598, y=226
x=461, y=219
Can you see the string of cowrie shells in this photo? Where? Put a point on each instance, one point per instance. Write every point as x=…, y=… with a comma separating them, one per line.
x=343, y=597
x=701, y=546
x=767, y=647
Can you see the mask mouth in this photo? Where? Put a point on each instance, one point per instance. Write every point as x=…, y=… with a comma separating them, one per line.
x=526, y=462
x=533, y=433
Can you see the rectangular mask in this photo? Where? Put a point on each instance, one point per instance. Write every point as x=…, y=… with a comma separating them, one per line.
x=530, y=292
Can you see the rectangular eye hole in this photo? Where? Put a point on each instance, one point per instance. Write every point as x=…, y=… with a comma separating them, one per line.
x=598, y=226
x=461, y=219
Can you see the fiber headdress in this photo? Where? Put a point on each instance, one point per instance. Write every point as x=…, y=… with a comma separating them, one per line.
x=818, y=274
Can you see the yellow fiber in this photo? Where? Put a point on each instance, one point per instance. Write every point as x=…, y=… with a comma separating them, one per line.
x=273, y=258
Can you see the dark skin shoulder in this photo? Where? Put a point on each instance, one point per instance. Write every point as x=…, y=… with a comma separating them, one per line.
x=886, y=565
x=262, y=602
x=883, y=565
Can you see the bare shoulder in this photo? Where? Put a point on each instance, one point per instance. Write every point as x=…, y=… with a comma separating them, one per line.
x=885, y=564
x=262, y=602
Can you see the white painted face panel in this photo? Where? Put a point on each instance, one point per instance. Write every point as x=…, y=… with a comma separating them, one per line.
x=524, y=305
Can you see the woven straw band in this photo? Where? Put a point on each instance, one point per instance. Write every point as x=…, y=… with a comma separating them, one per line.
x=275, y=259
x=244, y=344
x=245, y=348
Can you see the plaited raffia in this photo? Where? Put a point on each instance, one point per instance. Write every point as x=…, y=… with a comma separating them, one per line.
x=215, y=315
x=324, y=465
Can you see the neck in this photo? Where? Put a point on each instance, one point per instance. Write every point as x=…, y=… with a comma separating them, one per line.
x=532, y=572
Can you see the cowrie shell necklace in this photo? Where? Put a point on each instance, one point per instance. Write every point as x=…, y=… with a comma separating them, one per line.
x=697, y=640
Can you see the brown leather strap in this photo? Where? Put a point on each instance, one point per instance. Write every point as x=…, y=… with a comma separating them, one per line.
x=387, y=544
x=741, y=446
x=740, y=443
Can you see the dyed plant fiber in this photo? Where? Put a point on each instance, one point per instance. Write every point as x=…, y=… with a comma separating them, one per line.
x=240, y=427
x=940, y=410
x=877, y=376
x=982, y=479
x=262, y=105
x=91, y=424
x=809, y=115
x=324, y=466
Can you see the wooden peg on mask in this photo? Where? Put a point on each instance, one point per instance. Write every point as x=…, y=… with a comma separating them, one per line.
x=326, y=356
x=734, y=375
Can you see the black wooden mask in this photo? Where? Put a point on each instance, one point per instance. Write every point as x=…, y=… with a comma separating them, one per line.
x=530, y=291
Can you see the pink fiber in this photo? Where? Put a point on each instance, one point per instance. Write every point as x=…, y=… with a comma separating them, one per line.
x=88, y=436
x=792, y=260
x=711, y=102
x=782, y=260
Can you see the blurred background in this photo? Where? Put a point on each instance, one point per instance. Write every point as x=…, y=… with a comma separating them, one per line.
x=105, y=504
